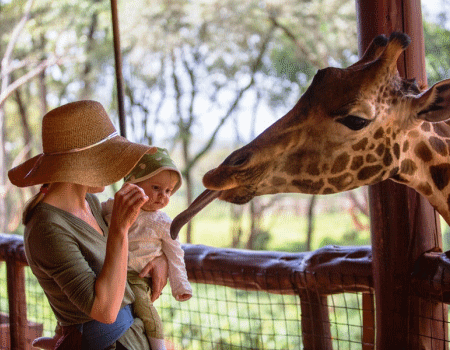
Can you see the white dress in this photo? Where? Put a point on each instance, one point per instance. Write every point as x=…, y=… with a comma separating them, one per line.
x=148, y=238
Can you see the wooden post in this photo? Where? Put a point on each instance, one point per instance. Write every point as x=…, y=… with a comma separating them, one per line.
x=17, y=304
x=315, y=321
x=403, y=223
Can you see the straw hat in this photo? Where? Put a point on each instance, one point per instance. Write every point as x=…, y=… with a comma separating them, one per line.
x=80, y=145
x=152, y=164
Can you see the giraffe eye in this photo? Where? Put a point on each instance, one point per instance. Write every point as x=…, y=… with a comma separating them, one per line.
x=353, y=122
x=237, y=159
x=240, y=161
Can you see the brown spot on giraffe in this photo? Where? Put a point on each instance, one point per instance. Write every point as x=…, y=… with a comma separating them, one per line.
x=278, y=181
x=423, y=152
x=408, y=167
x=357, y=162
x=341, y=163
x=394, y=171
x=370, y=158
x=294, y=163
x=440, y=175
x=378, y=134
x=405, y=146
x=425, y=127
x=380, y=149
x=388, y=141
x=361, y=145
x=387, y=159
x=308, y=186
x=369, y=172
x=425, y=188
x=441, y=129
x=313, y=169
x=396, y=149
x=341, y=182
x=438, y=145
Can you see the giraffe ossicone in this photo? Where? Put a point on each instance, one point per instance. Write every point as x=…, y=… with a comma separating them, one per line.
x=352, y=127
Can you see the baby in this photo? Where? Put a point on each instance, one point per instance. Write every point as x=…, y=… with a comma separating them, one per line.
x=149, y=237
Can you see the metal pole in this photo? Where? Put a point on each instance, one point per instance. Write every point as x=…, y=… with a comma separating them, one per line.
x=118, y=61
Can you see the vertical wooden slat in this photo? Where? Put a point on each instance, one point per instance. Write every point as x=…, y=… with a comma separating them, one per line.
x=17, y=304
x=315, y=321
x=368, y=319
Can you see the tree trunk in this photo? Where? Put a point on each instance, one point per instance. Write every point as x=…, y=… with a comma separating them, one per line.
x=309, y=233
x=236, y=225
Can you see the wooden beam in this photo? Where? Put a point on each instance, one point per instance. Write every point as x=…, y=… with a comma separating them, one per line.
x=403, y=223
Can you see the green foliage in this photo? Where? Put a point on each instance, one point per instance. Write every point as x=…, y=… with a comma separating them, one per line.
x=437, y=51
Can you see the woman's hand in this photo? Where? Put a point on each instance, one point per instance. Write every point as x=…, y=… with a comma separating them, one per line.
x=158, y=270
x=127, y=204
x=110, y=283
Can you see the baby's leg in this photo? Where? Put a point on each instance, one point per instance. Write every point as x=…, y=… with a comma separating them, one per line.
x=144, y=309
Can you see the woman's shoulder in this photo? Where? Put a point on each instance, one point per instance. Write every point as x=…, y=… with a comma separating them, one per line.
x=47, y=228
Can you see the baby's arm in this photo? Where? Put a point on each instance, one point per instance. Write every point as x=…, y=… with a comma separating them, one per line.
x=181, y=288
x=107, y=210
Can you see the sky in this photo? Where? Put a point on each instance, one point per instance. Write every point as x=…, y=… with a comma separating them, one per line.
x=434, y=7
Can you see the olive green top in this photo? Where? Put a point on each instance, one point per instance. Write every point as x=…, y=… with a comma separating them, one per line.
x=66, y=254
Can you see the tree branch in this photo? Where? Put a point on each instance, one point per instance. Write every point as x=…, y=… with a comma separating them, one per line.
x=27, y=77
x=291, y=36
x=14, y=36
x=235, y=103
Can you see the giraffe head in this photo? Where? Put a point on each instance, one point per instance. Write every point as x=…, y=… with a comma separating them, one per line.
x=350, y=128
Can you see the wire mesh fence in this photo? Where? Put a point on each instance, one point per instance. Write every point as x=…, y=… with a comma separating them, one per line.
x=260, y=300
x=220, y=317
x=225, y=318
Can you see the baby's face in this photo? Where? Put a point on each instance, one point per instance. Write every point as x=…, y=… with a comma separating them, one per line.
x=158, y=188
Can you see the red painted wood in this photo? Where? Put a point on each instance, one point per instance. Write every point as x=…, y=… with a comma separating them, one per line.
x=403, y=223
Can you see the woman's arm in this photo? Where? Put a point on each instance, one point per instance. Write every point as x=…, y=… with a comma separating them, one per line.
x=110, y=283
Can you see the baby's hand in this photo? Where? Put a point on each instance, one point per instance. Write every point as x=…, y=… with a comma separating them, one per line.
x=184, y=297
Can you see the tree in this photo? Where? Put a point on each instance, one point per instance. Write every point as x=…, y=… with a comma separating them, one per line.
x=36, y=43
x=210, y=59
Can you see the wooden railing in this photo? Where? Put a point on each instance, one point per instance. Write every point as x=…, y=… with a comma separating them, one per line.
x=311, y=275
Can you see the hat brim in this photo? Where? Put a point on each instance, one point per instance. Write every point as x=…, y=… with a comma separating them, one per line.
x=101, y=165
x=157, y=171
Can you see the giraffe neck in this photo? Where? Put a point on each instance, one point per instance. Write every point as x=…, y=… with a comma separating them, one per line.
x=425, y=166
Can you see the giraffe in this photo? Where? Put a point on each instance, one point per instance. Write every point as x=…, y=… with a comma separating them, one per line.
x=352, y=127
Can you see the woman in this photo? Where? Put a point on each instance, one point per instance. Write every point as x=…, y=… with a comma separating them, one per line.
x=78, y=261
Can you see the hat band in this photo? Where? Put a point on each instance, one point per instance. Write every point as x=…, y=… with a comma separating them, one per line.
x=74, y=150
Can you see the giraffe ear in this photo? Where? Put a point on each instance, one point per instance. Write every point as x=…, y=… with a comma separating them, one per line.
x=434, y=104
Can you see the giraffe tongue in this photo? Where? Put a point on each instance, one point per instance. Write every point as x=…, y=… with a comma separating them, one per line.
x=185, y=216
